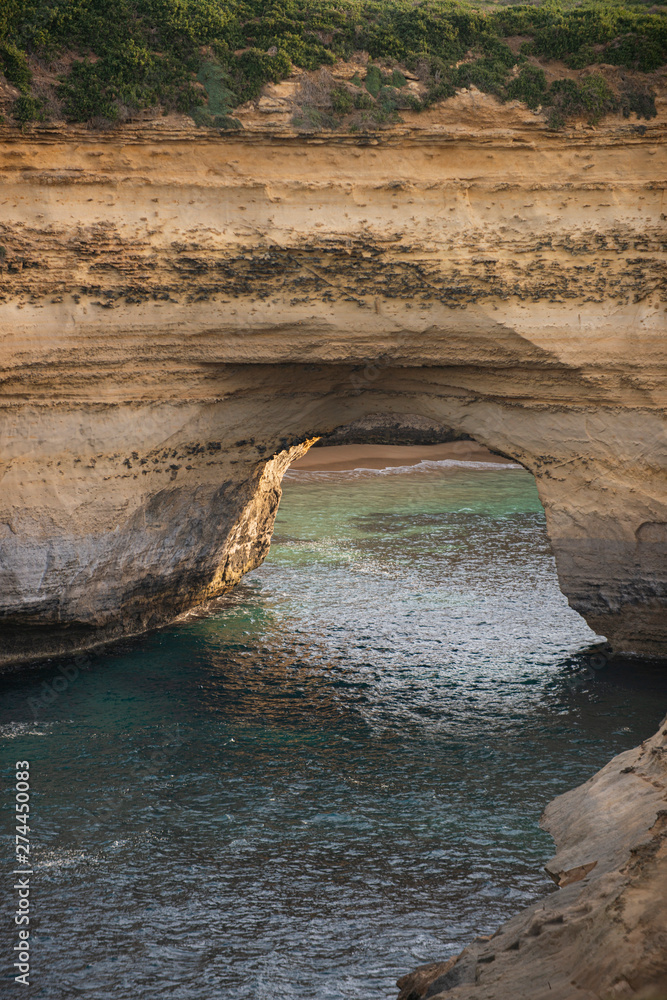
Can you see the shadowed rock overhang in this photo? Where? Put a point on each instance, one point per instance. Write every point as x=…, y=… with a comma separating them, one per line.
x=182, y=314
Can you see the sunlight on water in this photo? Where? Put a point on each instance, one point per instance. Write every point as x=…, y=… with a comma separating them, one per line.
x=335, y=775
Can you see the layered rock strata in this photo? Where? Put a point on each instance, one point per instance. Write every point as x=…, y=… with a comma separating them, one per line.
x=182, y=312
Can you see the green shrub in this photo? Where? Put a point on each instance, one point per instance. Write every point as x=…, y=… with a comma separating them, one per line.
x=252, y=69
x=342, y=100
x=592, y=98
x=308, y=119
x=529, y=86
x=582, y=57
x=85, y=95
x=202, y=118
x=363, y=102
x=439, y=91
x=373, y=80
x=14, y=65
x=639, y=100
x=215, y=81
x=27, y=109
x=391, y=99
x=134, y=54
x=636, y=51
x=485, y=74
x=497, y=52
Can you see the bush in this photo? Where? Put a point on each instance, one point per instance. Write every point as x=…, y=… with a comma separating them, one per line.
x=530, y=86
x=85, y=96
x=215, y=81
x=592, y=98
x=14, y=65
x=135, y=54
x=629, y=36
x=636, y=51
x=342, y=100
x=27, y=109
x=638, y=100
x=485, y=74
x=363, y=102
x=439, y=91
x=373, y=80
x=309, y=119
x=315, y=89
x=252, y=69
x=202, y=118
x=582, y=57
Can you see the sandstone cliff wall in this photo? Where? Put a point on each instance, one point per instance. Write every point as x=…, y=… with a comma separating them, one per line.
x=180, y=313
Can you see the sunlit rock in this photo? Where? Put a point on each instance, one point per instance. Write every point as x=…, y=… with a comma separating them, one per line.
x=181, y=312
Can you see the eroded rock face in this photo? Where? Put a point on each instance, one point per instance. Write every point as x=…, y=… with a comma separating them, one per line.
x=180, y=314
x=603, y=936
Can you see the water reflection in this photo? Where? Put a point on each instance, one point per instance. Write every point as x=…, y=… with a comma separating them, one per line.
x=335, y=775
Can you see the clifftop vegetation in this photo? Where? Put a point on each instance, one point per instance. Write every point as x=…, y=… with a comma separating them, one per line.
x=101, y=61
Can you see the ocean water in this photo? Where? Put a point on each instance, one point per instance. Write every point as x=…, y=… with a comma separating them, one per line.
x=334, y=775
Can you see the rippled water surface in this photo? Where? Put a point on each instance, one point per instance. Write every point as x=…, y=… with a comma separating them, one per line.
x=334, y=776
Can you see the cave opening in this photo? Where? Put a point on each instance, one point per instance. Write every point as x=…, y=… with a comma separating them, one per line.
x=334, y=771
x=424, y=690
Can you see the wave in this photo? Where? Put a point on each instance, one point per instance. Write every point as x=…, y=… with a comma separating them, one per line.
x=14, y=730
x=426, y=465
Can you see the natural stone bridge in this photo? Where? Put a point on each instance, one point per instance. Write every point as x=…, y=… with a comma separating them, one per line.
x=181, y=314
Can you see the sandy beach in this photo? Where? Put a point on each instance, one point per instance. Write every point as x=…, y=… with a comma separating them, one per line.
x=378, y=456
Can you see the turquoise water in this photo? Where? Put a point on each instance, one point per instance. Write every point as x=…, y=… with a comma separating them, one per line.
x=334, y=776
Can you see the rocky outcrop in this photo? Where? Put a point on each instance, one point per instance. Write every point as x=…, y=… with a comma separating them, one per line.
x=183, y=313
x=603, y=935
x=180, y=311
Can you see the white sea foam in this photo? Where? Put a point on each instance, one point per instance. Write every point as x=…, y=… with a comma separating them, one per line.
x=12, y=730
x=426, y=465
x=62, y=858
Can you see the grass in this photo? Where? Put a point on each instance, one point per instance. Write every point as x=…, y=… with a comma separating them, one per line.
x=205, y=57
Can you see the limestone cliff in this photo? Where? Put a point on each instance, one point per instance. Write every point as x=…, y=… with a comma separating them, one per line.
x=180, y=309
x=183, y=312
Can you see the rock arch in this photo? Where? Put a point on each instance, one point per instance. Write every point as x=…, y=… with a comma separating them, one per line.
x=175, y=327
x=148, y=510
